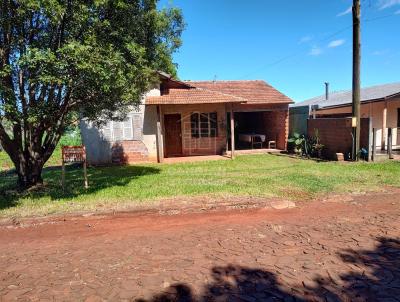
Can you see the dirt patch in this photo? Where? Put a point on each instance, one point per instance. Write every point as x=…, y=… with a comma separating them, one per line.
x=196, y=204
x=170, y=206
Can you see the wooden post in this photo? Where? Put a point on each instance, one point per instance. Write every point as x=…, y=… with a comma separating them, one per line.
x=226, y=131
x=373, y=143
x=85, y=169
x=62, y=171
x=232, y=133
x=384, y=125
x=70, y=154
x=160, y=153
x=356, y=78
x=390, y=143
x=370, y=138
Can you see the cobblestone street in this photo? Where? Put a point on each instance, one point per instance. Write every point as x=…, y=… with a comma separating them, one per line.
x=343, y=248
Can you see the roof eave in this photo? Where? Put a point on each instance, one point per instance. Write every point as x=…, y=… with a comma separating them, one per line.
x=191, y=103
x=349, y=104
x=169, y=77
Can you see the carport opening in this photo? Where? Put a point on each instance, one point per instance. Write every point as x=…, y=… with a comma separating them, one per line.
x=254, y=130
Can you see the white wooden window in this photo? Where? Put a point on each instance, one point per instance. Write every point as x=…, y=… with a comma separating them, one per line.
x=204, y=124
x=125, y=130
x=107, y=132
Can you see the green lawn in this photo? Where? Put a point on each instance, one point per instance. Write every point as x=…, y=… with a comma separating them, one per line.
x=255, y=175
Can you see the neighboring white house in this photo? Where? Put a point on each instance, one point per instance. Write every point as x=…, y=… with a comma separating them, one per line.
x=379, y=103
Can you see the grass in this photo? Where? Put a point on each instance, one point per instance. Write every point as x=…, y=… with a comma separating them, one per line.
x=248, y=175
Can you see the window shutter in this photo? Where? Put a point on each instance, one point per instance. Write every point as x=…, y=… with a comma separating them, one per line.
x=137, y=127
x=106, y=131
x=128, y=131
x=118, y=131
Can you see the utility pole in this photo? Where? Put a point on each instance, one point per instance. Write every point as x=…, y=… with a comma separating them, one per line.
x=356, y=79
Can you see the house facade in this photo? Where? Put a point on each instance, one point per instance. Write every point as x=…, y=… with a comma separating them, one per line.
x=179, y=118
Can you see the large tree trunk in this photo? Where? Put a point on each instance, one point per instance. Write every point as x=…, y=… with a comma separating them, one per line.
x=30, y=155
x=29, y=171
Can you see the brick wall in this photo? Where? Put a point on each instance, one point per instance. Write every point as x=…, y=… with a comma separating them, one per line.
x=125, y=152
x=277, y=127
x=335, y=134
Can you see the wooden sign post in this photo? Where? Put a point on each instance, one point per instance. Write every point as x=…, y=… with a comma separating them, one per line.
x=74, y=154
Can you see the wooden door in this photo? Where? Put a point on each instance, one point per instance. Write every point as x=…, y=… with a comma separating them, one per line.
x=173, y=135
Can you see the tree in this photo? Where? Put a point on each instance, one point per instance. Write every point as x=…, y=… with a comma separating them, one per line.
x=63, y=58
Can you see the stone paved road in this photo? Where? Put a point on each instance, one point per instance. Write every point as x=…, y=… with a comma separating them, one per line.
x=339, y=249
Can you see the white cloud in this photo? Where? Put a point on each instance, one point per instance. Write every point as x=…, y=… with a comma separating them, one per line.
x=315, y=51
x=305, y=39
x=336, y=43
x=346, y=12
x=383, y=4
x=380, y=52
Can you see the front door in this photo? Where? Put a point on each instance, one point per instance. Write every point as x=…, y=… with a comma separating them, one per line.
x=173, y=135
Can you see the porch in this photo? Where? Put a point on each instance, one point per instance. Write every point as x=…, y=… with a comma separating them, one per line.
x=197, y=158
x=259, y=128
x=216, y=118
x=205, y=131
x=389, y=148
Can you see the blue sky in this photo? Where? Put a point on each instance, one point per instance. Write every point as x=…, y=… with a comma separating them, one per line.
x=295, y=46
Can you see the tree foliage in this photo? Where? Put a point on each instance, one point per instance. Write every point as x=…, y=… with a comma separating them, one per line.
x=64, y=58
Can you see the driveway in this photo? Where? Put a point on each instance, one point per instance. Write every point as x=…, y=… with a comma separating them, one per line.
x=340, y=248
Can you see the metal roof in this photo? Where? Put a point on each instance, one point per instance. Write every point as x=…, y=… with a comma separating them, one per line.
x=344, y=98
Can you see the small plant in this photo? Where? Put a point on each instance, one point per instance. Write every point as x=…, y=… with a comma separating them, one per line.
x=315, y=145
x=299, y=142
x=309, y=146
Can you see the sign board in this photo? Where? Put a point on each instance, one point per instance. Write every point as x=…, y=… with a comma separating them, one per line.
x=74, y=154
x=354, y=122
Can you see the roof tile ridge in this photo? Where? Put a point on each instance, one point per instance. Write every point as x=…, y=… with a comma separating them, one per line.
x=221, y=93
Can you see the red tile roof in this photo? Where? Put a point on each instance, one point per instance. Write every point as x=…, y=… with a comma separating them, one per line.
x=193, y=96
x=255, y=92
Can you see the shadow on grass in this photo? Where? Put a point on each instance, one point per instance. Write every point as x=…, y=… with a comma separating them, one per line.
x=305, y=158
x=377, y=279
x=99, y=178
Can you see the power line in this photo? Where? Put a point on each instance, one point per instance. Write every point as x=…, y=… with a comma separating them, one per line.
x=296, y=53
x=285, y=58
x=379, y=18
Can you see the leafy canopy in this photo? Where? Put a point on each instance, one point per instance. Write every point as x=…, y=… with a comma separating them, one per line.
x=97, y=54
x=61, y=58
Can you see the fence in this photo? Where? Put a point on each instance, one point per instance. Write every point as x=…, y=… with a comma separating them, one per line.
x=336, y=135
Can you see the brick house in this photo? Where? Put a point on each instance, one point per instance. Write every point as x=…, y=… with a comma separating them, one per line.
x=190, y=118
x=331, y=113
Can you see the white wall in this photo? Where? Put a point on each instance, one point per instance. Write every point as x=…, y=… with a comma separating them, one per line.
x=150, y=125
x=99, y=150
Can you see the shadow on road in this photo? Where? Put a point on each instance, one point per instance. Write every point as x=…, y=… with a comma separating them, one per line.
x=378, y=279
